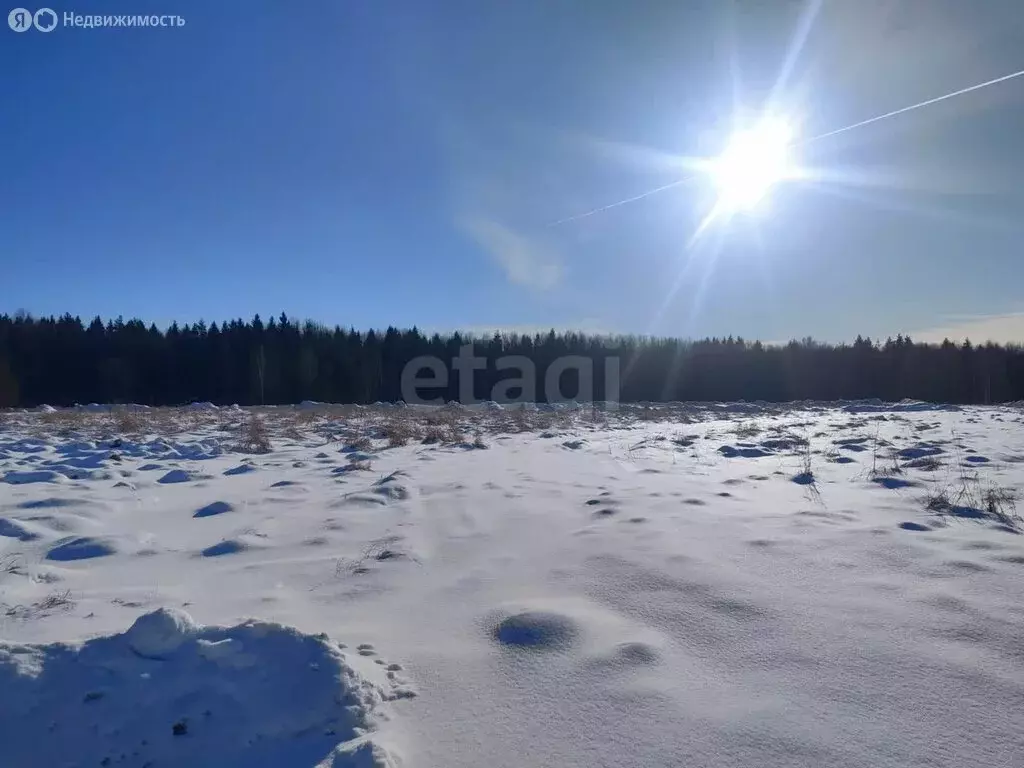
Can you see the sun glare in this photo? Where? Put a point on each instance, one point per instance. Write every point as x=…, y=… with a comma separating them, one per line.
x=754, y=161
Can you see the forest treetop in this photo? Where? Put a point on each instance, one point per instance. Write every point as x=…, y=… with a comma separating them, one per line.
x=63, y=361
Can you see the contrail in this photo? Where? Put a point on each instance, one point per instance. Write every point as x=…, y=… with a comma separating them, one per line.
x=641, y=196
x=820, y=136
x=936, y=100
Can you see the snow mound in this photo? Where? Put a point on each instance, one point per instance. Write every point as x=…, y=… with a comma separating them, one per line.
x=169, y=692
x=241, y=469
x=912, y=526
x=633, y=654
x=158, y=634
x=47, y=523
x=232, y=546
x=15, y=477
x=15, y=529
x=176, y=476
x=52, y=502
x=213, y=508
x=82, y=548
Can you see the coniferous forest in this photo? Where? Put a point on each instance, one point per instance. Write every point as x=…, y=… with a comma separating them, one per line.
x=63, y=361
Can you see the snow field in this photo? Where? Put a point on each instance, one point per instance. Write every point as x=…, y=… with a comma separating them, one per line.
x=715, y=585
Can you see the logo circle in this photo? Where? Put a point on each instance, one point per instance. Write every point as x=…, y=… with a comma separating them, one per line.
x=42, y=13
x=20, y=19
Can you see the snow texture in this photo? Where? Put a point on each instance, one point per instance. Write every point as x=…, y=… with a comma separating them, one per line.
x=715, y=585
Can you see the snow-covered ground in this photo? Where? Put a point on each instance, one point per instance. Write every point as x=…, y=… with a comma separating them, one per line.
x=680, y=585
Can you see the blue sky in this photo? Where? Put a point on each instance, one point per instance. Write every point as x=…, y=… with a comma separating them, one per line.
x=370, y=163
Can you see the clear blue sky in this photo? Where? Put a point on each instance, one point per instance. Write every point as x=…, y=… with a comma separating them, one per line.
x=370, y=163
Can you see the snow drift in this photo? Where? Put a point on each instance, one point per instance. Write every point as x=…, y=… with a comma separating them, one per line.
x=169, y=692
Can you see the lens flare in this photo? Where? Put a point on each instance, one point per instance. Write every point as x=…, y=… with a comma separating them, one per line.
x=754, y=161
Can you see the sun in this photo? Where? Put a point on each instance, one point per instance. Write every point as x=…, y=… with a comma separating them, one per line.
x=754, y=161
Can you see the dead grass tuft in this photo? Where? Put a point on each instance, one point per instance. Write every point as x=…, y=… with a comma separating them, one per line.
x=747, y=430
x=970, y=498
x=254, y=437
x=124, y=421
x=55, y=601
x=432, y=435
x=361, y=443
x=398, y=432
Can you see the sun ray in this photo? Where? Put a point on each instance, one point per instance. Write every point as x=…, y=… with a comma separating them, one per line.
x=807, y=18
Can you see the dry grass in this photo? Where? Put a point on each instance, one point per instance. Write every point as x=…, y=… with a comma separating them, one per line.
x=254, y=437
x=361, y=443
x=456, y=435
x=398, y=432
x=747, y=430
x=55, y=601
x=12, y=564
x=977, y=501
x=1001, y=505
x=63, y=421
x=128, y=422
x=379, y=550
x=292, y=433
x=889, y=466
x=925, y=464
x=967, y=496
x=357, y=427
x=433, y=434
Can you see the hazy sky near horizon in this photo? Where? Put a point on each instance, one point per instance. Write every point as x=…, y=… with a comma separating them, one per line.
x=401, y=163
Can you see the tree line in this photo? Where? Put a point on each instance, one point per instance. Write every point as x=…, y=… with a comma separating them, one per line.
x=63, y=361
